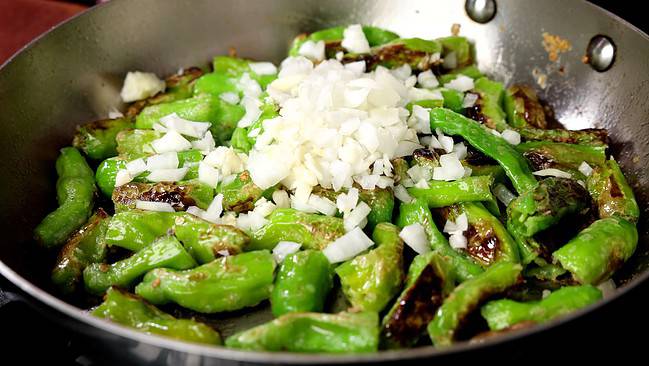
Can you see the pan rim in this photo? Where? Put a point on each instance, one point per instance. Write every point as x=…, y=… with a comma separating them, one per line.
x=221, y=352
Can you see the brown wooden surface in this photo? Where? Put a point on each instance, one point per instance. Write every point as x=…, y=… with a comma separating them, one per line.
x=23, y=20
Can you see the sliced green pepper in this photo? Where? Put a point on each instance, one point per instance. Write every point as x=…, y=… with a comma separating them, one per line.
x=225, y=284
x=487, y=109
x=461, y=47
x=83, y=248
x=523, y=108
x=442, y=194
x=179, y=195
x=312, y=332
x=380, y=201
x=75, y=192
x=501, y=314
x=371, y=280
x=613, y=195
x=130, y=310
x=599, y=250
x=546, y=154
x=488, y=241
x=303, y=282
x=333, y=37
x=97, y=139
x=589, y=136
x=164, y=252
x=240, y=194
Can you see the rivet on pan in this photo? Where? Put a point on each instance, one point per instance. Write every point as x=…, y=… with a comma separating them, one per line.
x=481, y=11
x=600, y=53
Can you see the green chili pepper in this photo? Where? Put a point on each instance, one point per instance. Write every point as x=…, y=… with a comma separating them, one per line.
x=544, y=154
x=312, y=332
x=442, y=194
x=415, y=52
x=380, y=201
x=97, y=139
x=599, y=250
x=400, y=169
x=430, y=280
x=501, y=314
x=471, y=71
x=204, y=240
x=461, y=47
x=417, y=211
x=240, y=137
x=225, y=284
x=488, y=240
x=545, y=205
x=179, y=195
x=130, y=310
x=303, y=282
x=453, y=99
x=313, y=231
x=495, y=171
x=487, y=109
x=202, y=108
x=178, y=86
x=523, y=108
x=164, y=252
x=426, y=158
x=481, y=138
x=613, y=195
x=236, y=67
x=590, y=136
x=467, y=297
x=136, y=143
x=75, y=192
x=83, y=248
x=371, y=280
x=240, y=194
x=333, y=37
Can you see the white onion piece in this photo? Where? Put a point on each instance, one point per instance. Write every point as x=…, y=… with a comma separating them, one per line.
x=281, y=199
x=469, y=100
x=205, y=144
x=264, y=207
x=511, y=136
x=322, y=205
x=503, y=194
x=216, y=206
x=427, y=79
x=285, y=248
x=461, y=83
x=168, y=160
x=253, y=111
x=136, y=167
x=114, y=114
x=355, y=217
x=552, y=172
x=171, y=141
x=122, y=177
x=208, y=175
x=345, y=202
x=154, y=206
x=167, y=175
x=183, y=126
x=230, y=97
x=585, y=169
x=313, y=50
x=263, y=68
x=140, y=85
x=460, y=224
x=457, y=241
x=354, y=40
x=415, y=237
x=347, y=246
x=608, y=288
x=450, y=168
x=401, y=193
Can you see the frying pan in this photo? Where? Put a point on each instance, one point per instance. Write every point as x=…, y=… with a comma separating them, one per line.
x=73, y=74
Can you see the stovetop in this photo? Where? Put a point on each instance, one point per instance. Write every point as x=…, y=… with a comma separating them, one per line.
x=618, y=329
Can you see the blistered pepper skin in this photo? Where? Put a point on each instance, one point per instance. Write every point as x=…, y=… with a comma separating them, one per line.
x=179, y=195
x=599, y=250
x=126, y=309
x=467, y=297
x=303, y=282
x=523, y=108
x=313, y=333
x=371, y=280
x=481, y=138
x=225, y=284
x=97, y=139
x=487, y=109
x=313, y=231
x=241, y=194
x=488, y=240
x=164, y=252
x=75, y=192
x=418, y=212
x=430, y=279
x=589, y=136
x=135, y=229
x=505, y=313
x=613, y=195
x=86, y=246
x=544, y=154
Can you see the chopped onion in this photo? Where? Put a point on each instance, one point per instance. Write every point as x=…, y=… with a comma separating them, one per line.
x=552, y=172
x=313, y=50
x=264, y=207
x=283, y=249
x=427, y=79
x=122, y=177
x=460, y=150
x=511, y=136
x=357, y=67
x=608, y=288
x=345, y=202
x=280, y=197
x=154, y=206
x=322, y=205
x=422, y=118
x=263, y=68
x=205, y=144
x=461, y=83
x=171, y=141
x=251, y=221
x=114, y=114
x=457, y=241
x=415, y=236
x=450, y=168
x=585, y=169
x=136, y=167
x=168, y=160
x=183, y=126
x=248, y=86
x=356, y=216
x=230, y=97
x=167, y=175
x=216, y=206
x=450, y=60
x=140, y=85
x=469, y=100
x=347, y=246
x=401, y=193
x=208, y=175
x=354, y=40
x=503, y=194
x=422, y=184
x=253, y=111
x=402, y=72
x=460, y=224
